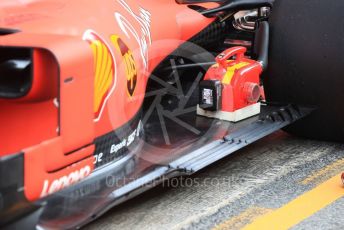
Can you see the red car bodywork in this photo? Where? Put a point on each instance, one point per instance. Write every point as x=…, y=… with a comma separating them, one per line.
x=78, y=47
x=78, y=85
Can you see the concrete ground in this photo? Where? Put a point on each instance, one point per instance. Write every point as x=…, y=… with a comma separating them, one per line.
x=280, y=181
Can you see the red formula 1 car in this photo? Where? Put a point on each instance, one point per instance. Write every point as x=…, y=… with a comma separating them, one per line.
x=100, y=100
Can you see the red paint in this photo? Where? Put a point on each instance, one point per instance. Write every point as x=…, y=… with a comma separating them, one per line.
x=55, y=121
x=244, y=87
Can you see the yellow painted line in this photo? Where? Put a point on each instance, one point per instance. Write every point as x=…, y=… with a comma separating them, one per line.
x=243, y=219
x=326, y=172
x=302, y=207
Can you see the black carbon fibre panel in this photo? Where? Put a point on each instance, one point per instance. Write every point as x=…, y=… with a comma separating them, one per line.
x=115, y=145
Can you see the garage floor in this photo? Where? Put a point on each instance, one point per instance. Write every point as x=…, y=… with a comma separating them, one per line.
x=281, y=181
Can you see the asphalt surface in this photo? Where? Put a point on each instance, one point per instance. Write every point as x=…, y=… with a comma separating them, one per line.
x=239, y=189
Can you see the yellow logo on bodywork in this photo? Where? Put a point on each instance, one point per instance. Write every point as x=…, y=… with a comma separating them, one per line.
x=104, y=66
x=129, y=61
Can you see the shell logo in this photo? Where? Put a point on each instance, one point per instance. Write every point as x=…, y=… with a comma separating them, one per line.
x=105, y=71
x=129, y=63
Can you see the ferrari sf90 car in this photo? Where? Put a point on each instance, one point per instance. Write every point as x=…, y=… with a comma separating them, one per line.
x=101, y=100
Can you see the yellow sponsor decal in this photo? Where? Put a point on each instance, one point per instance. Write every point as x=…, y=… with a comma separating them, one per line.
x=104, y=66
x=129, y=63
